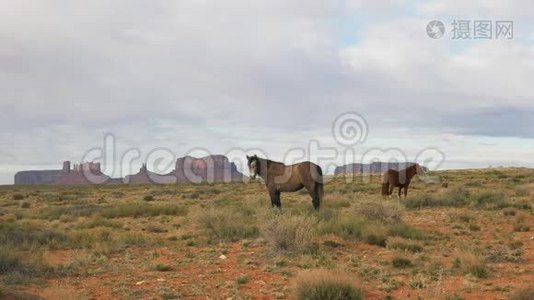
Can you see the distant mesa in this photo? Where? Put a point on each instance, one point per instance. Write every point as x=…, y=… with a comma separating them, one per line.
x=213, y=168
x=36, y=177
x=144, y=176
x=84, y=173
x=65, y=176
x=373, y=168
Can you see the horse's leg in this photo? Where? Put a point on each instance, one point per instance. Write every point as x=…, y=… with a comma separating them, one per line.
x=316, y=194
x=275, y=199
x=400, y=189
x=272, y=194
x=406, y=191
x=391, y=188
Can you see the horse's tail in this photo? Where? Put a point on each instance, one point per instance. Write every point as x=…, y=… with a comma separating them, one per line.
x=319, y=189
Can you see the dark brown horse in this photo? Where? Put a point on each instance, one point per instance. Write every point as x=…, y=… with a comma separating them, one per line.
x=281, y=178
x=400, y=179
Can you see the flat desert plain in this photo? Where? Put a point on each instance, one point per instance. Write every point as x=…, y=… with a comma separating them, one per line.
x=471, y=239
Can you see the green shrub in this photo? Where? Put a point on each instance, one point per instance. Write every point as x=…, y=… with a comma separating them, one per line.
x=523, y=204
x=87, y=238
x=343, y=226
x=331, y=244
x=227, y=223
x=27, y=235
x=376, y=239
x=480, y=271
x=489, y=200
x=461, y=217
x=10, y=262
x=374, y=232
x=379, y=210
x=131, y=239
x=326, y=285
x=82, y=210
x=457, y=197
x=99, y=222
x=509, y=212
x=401, y=262
x=163, y=268
x=148, y=198
x=474, y=227
x=18, y=196
x=524, y=293
x=403, y=244
x=243, y=279
x=406, y=231
x=103, y=241
x=155, y=229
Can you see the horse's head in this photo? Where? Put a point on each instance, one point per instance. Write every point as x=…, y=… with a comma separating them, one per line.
x=253, y=166
x=419, y=170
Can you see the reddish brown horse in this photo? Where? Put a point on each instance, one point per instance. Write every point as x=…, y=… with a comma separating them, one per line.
x=281, y=178
x=400, y=179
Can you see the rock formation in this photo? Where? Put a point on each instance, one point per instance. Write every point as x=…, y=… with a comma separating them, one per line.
x=37, y=177
x=144, y=176
x=84, y=173
x=214, y=168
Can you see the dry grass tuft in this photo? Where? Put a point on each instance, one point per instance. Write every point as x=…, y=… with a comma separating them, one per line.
x=326, y=285
x=290, y=234
x=471, y=263
x=379, y=210
x=227, y=223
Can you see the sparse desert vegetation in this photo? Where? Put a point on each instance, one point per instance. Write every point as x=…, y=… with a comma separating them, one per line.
x=470, y=240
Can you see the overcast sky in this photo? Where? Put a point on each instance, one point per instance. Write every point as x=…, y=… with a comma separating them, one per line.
x=265, y=74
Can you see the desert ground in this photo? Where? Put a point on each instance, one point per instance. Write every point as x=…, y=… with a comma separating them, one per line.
x=473, y=239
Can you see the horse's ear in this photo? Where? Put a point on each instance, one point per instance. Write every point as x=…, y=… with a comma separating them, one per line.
x=255, y=156
x=248, y=157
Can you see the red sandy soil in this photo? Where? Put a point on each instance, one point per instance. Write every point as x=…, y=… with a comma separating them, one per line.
x=198, y=272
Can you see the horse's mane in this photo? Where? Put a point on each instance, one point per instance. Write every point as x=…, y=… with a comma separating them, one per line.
x=411, y=166
x=269, y=162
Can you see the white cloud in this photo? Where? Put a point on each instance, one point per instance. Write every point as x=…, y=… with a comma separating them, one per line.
x=242, y=73
x=512, y=9
x=401, y=57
